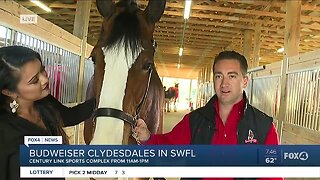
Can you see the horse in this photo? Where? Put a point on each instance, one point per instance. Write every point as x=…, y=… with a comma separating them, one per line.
x=171, y=96
x=126, y=83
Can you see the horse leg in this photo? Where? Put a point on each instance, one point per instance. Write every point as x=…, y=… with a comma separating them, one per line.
x=175, y=105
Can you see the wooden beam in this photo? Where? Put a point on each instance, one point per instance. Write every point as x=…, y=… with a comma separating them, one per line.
x=231, y=18
x=247, y=46
x=292, y=27
x=256, y=46
x=304, y=7
x=218, y=24
x=80, y=30
x=291, y=46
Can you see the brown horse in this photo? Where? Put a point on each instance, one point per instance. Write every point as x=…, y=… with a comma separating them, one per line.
x=126, y=82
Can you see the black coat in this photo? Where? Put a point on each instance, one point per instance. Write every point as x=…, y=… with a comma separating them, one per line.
x=13, y=129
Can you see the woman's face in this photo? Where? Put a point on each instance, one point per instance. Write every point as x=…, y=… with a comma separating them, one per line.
x=34, y=84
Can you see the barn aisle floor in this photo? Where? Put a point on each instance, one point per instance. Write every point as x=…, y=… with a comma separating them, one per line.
x=173, y=118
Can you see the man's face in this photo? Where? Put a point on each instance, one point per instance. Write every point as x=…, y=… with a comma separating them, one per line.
x=229, y=82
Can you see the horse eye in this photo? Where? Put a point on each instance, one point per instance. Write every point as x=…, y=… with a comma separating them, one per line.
x=147, y=66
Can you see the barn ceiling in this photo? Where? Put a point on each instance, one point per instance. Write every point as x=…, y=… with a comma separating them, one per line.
x=214, y=25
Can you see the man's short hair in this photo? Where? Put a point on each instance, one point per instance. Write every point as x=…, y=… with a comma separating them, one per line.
x=232, y=55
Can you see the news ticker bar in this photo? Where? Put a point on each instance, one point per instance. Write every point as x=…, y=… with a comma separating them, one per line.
x=164, y=156
x=170, y=172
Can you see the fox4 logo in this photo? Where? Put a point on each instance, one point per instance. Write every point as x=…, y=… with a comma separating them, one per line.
x=296, y=155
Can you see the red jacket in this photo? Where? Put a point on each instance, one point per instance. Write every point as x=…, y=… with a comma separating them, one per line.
x=225, y=134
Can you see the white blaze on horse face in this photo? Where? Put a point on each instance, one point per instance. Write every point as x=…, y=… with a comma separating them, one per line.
x=109, y=130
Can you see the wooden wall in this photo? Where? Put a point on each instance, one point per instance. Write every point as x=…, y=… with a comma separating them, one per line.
x=293, y=134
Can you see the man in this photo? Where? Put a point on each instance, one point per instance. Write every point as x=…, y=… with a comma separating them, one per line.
x=166, y=100
x=176, y=96
x=227, y=118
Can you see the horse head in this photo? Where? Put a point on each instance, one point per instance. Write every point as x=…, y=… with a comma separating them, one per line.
x=127, y=85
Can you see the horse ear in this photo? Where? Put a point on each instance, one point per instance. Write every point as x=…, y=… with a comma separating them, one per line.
x=105, y=7
x=155, y=9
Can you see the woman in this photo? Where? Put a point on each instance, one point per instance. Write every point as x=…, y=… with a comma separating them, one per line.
x=27, y=108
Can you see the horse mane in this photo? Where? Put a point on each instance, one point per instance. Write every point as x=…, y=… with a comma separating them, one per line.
x=125, y=29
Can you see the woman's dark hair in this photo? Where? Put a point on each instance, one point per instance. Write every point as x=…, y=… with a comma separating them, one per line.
x=12, y=59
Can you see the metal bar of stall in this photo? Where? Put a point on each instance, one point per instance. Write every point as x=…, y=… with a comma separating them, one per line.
x=50, y=53
x=26, y=40
x=317, y=117
x=289, y=94
x=309, y=108
x=296, y=99
x=314, y=102
x=72, y=68
x=13, y=36
x=54, y=69
x=70, y=73
x=300, y=109
x=6, y=37
x=66, y=69
x=19, y=39
x=67, y=73
x=31, y=42
x=76, y=76
x=306, y=100
x=15, y=41
x=10, y=38
x=304, y=91
x=304, y=104
x=63, y=77
x=61, y=87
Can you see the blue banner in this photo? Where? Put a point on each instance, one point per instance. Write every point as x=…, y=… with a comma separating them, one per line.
x=160, y=155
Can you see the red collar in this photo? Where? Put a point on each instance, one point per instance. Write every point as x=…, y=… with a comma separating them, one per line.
x=237, y=108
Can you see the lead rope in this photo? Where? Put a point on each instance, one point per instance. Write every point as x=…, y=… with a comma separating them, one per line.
x=134, y=133
x=136, y=117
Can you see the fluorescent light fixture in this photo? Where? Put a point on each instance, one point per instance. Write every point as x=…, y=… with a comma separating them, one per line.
x=180, y=51
x=41, y=5
x=187, y=9
x=178, y=65
x=280, y=50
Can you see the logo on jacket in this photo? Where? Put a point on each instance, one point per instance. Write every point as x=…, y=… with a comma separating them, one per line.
x=251, y=138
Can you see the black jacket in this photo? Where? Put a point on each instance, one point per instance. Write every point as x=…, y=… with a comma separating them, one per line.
x=13, y=129
x=254, y=123
x=253, y=119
